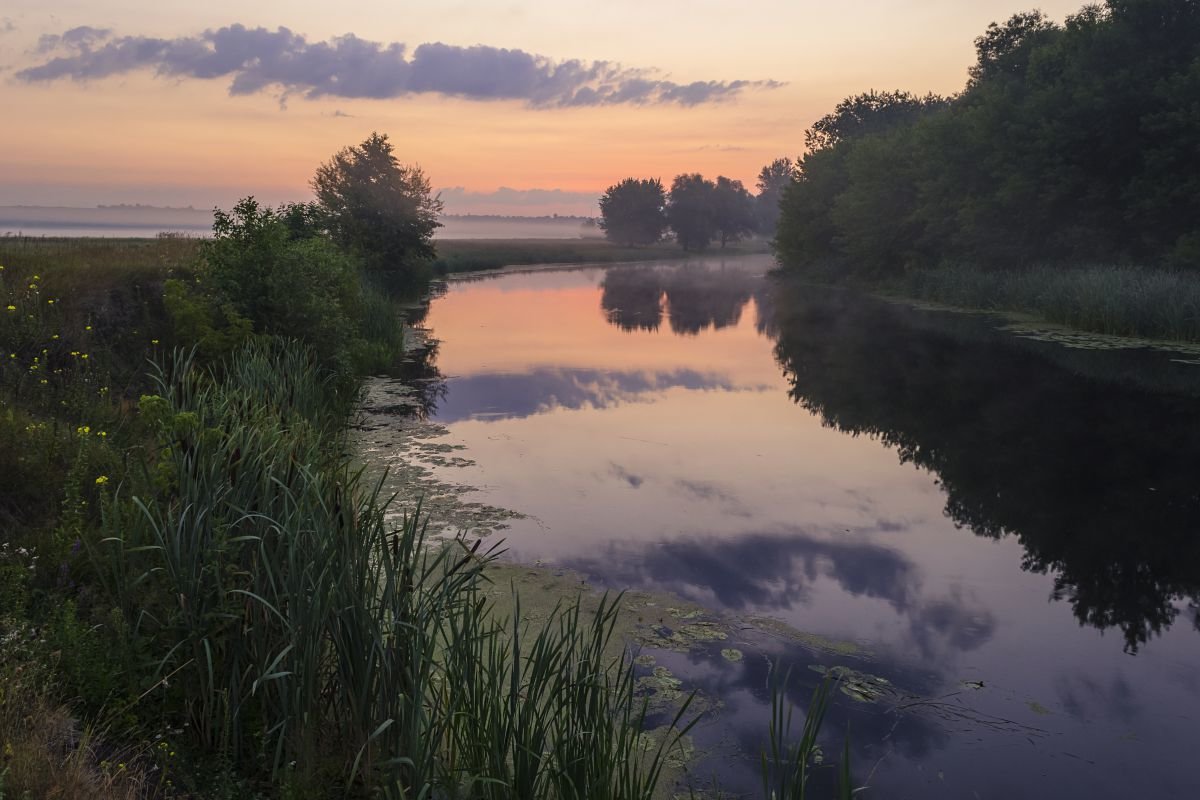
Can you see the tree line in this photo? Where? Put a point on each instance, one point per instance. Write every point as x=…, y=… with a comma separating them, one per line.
x=696, y=211
x=1070, y=143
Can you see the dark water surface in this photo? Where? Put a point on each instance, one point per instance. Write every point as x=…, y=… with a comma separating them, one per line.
x=1007, y=530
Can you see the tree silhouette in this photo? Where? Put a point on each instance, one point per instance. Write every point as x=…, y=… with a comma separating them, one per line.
x=632, y=212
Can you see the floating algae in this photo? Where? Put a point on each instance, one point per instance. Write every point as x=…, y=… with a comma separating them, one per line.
x=732, y=654
x=860, y=686
x=1038, y=708
x=812, y=641
x=1082, y=340
x=661, y=688
x=404, y=451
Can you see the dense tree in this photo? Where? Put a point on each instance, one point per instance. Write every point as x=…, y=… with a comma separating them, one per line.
x=633, y=212
x=733, y=210
x=772, y=180
x=869, y=113
x=1006, y=49
x=690, y=211
x=381, y=210
x=1071, y=142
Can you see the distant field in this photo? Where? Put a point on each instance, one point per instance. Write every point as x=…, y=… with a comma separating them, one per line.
x=64, y=261
x=467, y=255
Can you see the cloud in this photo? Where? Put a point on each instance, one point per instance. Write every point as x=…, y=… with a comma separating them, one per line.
x=257, y=59
x=81, y=38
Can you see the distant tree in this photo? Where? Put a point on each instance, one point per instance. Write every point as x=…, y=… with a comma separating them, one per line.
x=772, y=180
x=733, y=210
x=381, y=210
x=690, y=211
x=633, y=212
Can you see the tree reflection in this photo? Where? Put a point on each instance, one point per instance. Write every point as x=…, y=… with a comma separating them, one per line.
x=694, y=297
x=1097, y=480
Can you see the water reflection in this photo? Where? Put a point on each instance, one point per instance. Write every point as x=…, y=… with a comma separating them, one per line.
x=769, y=572
x=696, y=297
x=1096, y=480
x=647, y=418
x=508, y=395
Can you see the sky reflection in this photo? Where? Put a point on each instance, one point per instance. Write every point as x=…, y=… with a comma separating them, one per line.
x=864, y=474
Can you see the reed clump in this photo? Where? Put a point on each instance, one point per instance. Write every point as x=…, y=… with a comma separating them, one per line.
x=287, y=627
x=1116, y=300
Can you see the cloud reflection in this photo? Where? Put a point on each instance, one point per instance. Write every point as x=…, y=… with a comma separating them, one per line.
x=769, y=572
x=493, y=396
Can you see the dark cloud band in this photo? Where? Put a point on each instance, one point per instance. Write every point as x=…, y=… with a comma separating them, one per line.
x=255, y=59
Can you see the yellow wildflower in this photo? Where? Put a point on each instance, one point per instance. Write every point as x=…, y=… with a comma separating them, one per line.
x=11, y=307
x=103, y=479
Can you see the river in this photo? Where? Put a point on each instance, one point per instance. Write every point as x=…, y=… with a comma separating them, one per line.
x=998, y=530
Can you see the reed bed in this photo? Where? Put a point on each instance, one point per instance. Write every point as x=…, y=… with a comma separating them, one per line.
x=289, y=626
x=1116, y=300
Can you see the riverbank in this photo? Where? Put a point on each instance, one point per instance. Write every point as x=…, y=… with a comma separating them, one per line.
x=478, y=255
x=202, y=596
x=1156, y=307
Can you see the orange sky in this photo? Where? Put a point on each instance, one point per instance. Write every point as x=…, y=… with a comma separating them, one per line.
x=138, y=137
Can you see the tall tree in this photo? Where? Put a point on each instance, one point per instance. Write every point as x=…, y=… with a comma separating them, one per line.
x=633, y=212
x=868, y=113
x=733, y=210
x=380, y=209
x=772, y=180
x=690, y=211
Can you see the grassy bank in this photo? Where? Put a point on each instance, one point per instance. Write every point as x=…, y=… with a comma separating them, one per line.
x=470, y=255
x=1120, y=301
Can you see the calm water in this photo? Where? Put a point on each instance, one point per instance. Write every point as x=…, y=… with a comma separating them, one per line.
x=1009, y=529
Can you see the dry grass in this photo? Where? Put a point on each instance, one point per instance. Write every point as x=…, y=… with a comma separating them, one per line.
x=44, y=752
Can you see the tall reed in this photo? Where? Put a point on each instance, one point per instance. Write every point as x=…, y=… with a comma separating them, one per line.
x=291, y=625
x=1123, y=301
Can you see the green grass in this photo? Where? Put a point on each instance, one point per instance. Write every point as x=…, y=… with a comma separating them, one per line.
x=468, y=255
x=1121, y=301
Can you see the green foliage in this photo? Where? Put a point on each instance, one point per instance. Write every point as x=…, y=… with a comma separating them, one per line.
x=379, y=209
x=773, y=179
x=690, y=211
x=633, y=212
x=733, y=210
x=273, y=272
x=203, y=319
x=1070, y=143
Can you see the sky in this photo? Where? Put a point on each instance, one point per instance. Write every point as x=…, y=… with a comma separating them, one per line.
x=522, y=108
